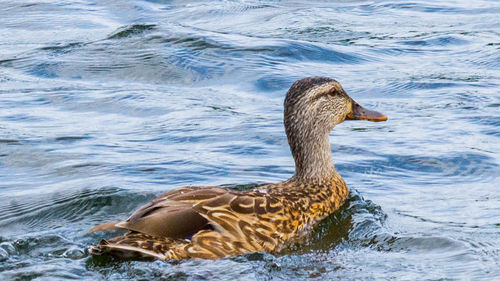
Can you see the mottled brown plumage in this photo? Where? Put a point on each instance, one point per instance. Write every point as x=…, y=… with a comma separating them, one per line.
x=213, y=222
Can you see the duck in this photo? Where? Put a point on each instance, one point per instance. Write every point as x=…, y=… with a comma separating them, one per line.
x=211, y=222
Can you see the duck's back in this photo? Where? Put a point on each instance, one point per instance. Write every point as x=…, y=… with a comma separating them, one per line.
x=214, y=222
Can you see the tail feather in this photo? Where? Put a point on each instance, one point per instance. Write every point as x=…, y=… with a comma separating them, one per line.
x=138, y=245
x=106, y=226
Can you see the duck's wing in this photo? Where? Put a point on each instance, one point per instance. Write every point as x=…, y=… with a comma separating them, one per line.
x=185, y=211
x=169, y=215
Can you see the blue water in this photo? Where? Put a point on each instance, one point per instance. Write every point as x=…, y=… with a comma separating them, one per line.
x=106, y=104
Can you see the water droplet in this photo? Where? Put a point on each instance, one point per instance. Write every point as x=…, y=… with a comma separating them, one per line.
x=74, y=253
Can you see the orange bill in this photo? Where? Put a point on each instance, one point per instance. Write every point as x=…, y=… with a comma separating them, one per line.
x=360, y=113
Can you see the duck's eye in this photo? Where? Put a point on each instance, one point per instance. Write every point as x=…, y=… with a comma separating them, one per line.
x=333, y=92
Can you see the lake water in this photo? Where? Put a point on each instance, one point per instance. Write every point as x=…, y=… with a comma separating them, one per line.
x=106, y=104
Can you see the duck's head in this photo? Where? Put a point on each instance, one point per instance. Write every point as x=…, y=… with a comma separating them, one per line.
x=320, y=102
x=313, y=106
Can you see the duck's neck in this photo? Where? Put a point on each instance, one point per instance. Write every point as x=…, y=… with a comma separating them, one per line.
x=312, y=154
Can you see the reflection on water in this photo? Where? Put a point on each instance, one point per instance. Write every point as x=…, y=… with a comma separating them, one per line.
x=108, y=104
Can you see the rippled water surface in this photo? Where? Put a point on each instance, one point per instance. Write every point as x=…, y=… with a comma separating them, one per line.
x=106, y=104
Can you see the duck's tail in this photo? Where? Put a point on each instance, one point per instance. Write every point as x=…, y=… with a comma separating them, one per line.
x=137, y=245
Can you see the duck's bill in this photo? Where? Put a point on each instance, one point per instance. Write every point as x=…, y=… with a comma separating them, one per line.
x=360, y=113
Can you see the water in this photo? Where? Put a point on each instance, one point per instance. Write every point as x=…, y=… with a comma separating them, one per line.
x=106, y=104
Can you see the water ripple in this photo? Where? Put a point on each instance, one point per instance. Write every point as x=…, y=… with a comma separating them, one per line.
x=108, y=104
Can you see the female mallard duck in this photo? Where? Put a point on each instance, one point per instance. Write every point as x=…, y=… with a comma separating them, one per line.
x=214, y=222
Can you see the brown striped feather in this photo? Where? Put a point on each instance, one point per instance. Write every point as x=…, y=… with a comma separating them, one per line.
x=221, y=222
